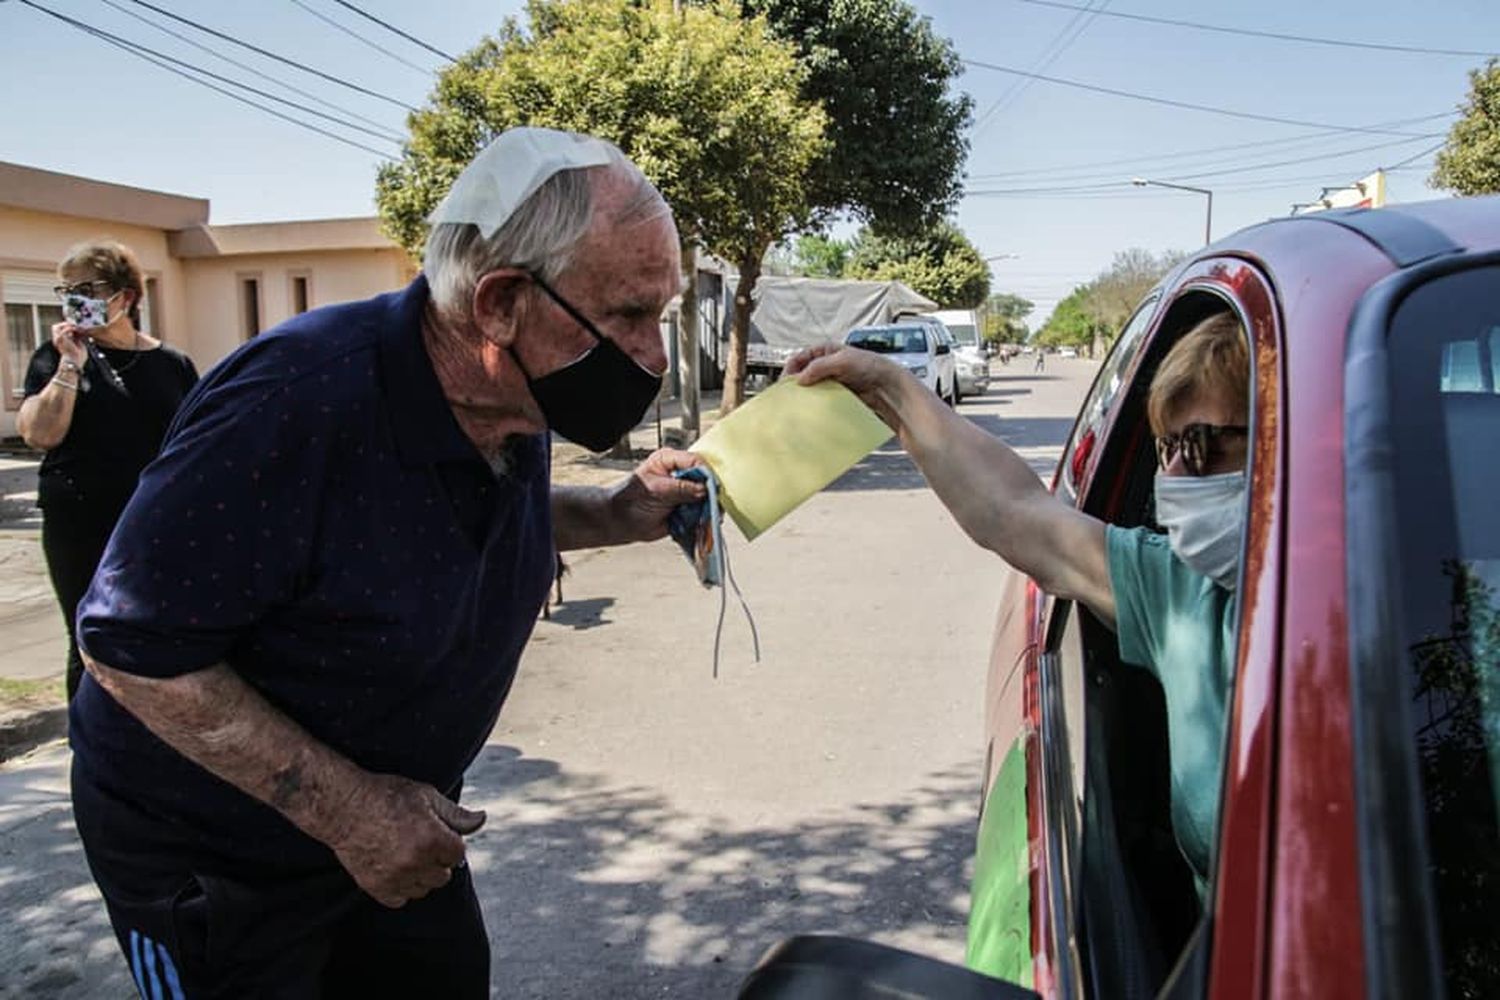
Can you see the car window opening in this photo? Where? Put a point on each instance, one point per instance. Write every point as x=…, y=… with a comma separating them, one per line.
x=1136, y=889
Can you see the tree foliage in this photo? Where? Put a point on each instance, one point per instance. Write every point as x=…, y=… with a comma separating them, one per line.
x=1005, y=318
x=704, y=100
x=897, y=129
x=1470, y=161
x=939, y=263
x=1093, y=314
x=810, y=255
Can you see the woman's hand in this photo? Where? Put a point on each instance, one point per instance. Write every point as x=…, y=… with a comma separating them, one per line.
x=68, y=339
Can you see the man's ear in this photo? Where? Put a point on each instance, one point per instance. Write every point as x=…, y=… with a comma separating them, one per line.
x=499, y=304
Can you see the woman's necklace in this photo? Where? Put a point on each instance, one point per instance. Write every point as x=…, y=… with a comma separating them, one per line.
x=110, y=371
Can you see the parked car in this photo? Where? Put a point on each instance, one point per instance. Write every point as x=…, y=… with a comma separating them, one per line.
x=1067, y=352
x=1357, y=851
x=922, y=347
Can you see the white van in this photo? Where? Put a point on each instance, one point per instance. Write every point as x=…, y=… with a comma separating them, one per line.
x=973, y=362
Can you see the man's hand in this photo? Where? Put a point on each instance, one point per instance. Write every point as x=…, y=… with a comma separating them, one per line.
x=874, y=379
x=640, y=504
x=402, y=839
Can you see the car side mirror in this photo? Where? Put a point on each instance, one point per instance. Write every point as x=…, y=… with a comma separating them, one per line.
x=824, y=967
x=942, y=349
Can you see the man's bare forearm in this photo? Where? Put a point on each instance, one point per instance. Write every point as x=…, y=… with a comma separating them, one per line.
x=582, y=518
x=215, y=719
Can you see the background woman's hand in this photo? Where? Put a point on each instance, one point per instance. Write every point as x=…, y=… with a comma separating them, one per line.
x=68, y=339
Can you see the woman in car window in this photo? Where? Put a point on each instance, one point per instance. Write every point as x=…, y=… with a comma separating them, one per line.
x=98, y=400
x=1170, y=598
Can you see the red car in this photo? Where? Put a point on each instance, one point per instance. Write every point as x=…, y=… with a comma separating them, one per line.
x=1357, y=847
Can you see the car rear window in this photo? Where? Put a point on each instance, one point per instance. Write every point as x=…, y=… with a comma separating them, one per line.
x=1444, y=350
x=891, y=340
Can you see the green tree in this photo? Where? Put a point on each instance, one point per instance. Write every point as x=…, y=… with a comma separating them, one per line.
x=1113, y=296
x=1072, y=323
x=810, y=255
x=704, y=100
x=1470, y=161
x=1005, y=318
x=897, y=128
x=939, y=263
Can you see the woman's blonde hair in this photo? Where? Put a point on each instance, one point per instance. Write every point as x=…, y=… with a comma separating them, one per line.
x=1212, y=359
x=111, y=262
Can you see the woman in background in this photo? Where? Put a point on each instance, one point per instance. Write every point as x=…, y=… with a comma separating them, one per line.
x=98, y=400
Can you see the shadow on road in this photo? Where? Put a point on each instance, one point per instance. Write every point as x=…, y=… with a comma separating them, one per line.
x=561, y=869
x=582, y=615
x=890, y=468
x=588, y=890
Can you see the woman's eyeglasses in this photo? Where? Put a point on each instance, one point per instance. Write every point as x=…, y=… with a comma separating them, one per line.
x=1197, y=443
x=93, y=289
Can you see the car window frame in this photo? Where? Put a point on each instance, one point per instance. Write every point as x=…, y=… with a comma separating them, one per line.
x=1399, y=920
x=1115, y=452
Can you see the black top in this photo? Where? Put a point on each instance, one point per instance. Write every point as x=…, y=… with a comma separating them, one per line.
x=318, y=521
x=119, y=420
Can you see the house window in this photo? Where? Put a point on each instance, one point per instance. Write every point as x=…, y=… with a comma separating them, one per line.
x=28, y=325
x=151, y=310
x=31, y=307
x=250, y=307
x=300, y=302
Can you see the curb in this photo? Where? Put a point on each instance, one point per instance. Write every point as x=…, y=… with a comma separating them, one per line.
x=25, y=730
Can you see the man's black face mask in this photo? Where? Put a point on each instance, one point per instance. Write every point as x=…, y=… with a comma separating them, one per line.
x=597, y=399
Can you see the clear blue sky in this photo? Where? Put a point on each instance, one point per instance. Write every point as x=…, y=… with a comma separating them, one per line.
x=74, y=104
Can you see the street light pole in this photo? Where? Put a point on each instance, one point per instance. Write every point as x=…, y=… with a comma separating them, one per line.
x=1208, y=221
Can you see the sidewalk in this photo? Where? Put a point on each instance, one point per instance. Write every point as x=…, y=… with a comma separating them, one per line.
x=35, y=647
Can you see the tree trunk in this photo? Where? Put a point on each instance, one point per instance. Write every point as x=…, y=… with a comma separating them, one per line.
x=739, y=331
x=688, y=350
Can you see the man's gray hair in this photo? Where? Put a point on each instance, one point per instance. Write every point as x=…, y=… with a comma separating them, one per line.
x=541, y=236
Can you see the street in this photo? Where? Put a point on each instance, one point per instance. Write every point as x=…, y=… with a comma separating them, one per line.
x=653, y=829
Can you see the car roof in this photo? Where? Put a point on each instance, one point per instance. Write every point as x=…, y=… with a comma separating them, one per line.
x=1295, y=247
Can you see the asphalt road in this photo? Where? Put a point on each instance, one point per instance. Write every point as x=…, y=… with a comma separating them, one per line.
x=653, y=829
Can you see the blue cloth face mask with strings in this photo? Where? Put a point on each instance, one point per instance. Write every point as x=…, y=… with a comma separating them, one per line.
x=698, y=529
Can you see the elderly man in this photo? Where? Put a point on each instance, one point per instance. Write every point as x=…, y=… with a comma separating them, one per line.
x=310, y=615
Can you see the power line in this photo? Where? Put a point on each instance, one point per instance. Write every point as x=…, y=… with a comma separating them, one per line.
x=1277, y=35
x=1240, y=168
x=135, y=46
x=271, y=55
x=1188, y=154
x=124, y=46
x=1018, y=87
x=1412, y=159
x=1169, y=102
x=241, y=65
x=395, y=30
x=356, y=35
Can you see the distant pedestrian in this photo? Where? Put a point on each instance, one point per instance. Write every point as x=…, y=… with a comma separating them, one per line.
x=304, y=630
x=98, y=398
x=1041, y=360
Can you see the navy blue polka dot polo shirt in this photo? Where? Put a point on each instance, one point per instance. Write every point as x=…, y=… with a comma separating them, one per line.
x=317, y=521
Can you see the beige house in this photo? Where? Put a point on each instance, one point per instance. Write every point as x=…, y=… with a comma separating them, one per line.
x=208, y=288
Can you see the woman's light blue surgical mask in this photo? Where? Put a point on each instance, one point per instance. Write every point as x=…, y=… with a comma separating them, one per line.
x=1205, y=521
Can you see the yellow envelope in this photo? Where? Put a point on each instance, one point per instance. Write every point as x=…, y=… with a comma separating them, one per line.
x=785, y=445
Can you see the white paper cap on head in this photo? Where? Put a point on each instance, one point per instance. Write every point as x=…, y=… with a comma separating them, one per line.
x=509, y=170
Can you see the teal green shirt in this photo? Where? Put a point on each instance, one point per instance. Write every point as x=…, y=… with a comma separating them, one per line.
x=1179, y=625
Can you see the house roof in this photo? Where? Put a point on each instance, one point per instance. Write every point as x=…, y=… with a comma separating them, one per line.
x=65, y=194
x=279, y=237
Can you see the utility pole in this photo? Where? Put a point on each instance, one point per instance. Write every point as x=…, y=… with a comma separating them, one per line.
x=1208, y=219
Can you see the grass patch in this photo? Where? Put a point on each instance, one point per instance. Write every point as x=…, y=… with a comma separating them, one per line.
x=16, y=694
